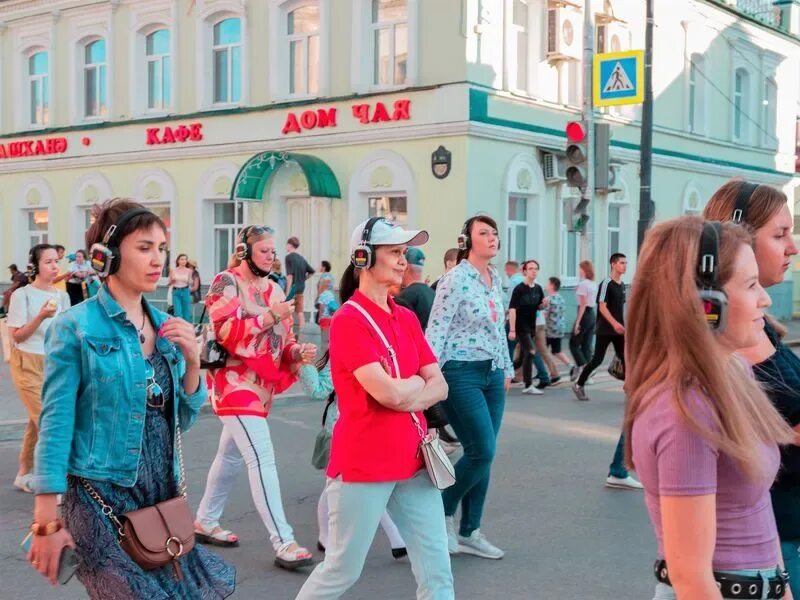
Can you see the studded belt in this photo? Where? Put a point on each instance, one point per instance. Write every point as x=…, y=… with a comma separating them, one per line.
x=736, y=586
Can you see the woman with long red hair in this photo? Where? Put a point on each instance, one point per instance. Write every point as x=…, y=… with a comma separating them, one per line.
x=699, y=430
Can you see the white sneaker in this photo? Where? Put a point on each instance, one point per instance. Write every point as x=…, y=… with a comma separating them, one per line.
x=628, y=483
x=23, y=482
x=477, y=545
x=452, y=537
x=532, y=391
x=590, y=380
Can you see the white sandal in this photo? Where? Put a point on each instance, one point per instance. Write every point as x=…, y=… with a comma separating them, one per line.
x=215, y=537
x=292, y=559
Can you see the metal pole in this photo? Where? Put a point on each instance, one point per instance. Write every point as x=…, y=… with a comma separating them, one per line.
x=646, y=206
x=587, y=237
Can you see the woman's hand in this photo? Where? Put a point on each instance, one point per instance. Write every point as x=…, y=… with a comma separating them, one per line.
x=181, y=333
x=45, y=553
x=48, y=310
x=284, y=310
x=577, y=329
x=512, y=335
x=305, y=353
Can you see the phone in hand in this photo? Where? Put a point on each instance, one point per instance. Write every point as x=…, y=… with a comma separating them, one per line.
x=292, y=292
x=67, y=562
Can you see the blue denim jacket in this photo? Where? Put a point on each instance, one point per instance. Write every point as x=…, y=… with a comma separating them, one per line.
x=94, y=396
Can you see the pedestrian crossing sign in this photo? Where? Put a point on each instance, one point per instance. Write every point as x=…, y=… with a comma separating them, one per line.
x=618, y=78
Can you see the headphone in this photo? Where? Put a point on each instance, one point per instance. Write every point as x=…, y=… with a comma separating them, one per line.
x=244, y=250
x=363, y=256
x=465, y=239
x=746, y=190
x=714, y=299
x=33, y=264
x=105, y=255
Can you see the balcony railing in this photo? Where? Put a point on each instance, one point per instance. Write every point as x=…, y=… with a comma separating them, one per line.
x=762, y=10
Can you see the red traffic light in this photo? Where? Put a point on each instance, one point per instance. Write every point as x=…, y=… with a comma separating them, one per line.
x=576, y=131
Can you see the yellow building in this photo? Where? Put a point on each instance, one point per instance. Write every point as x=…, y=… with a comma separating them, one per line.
x=424, y=110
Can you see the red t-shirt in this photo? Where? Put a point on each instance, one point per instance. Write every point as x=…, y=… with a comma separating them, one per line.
x=371, y=442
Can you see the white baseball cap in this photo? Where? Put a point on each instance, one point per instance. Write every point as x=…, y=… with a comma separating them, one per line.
x=387, y=233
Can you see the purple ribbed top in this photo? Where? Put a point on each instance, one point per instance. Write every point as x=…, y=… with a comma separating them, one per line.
x=673, y=460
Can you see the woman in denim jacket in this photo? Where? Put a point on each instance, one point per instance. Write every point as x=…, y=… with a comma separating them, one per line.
x=120, y=376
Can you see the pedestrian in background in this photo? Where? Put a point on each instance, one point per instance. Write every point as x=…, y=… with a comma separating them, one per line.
x=377, y=389
x=31, y=311
x=467, y=333
x=18, y=280
x=555, y=324
x=79, y=271
x=297, y=271
x=450, y=261
x=60, y=282
x=700, y=431
x=527, y=300
x=277, y=275
x=764, y=212
x=180, y=279
x=253, y=321
x=580, y=342
x=120, y=379
x=196, y=287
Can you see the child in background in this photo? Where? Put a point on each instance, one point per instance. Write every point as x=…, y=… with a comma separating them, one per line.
x=555, y=322
x=326, y=303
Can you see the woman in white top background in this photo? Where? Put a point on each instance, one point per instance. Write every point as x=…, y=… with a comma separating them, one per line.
x=79, y=272
x=580, y=342
x=180, y=278
x=30, y=312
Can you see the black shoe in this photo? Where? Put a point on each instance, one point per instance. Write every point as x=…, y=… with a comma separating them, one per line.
x=555, y=380
x=445, y=436
x=320, y=547
x=399, y=553
x=541, y=385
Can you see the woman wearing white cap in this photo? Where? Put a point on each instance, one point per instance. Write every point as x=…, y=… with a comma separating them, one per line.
x=375, y=462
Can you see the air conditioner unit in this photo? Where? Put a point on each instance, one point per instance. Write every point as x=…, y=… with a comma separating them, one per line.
x=551, y=168
x=617, y=36
x=564, y=33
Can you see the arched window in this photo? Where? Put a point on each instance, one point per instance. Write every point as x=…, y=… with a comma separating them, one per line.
x=302, y=37
x=38, y=88
x=226, y=53
x=94, y=79
x=741, y=104
x=159, y=70
x=389, y=42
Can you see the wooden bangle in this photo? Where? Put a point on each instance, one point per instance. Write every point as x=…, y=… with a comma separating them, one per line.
x=43, y=529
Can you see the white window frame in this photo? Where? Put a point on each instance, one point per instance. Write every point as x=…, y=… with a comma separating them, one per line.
x=741, y=105
x=40, y=79
x=361, y=186
x=769, y=113
x=228, y=49
x=567, y=199
x=305, y=40
x=392, y=27
x=20, y=233
x=512, y=50
x=696, y=95
x=169, y=196
x=211, y=14
x=205, y=197
x=621, y=229
x=232, y=228
x=363, y=48
x=510, y=242
x=103, y=70
x=166, y=83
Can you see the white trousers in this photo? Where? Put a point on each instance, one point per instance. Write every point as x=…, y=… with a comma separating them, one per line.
x=389, y=528
x=246, y=439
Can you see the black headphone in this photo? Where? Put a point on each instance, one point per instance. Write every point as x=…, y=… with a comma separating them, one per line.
x=363, y=256
x=34, y=256
x=714, y=299
x=465, y=239
x=746, y=190
x=244, y=250
x=105, y=255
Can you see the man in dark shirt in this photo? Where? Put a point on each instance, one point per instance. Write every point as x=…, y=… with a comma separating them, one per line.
x=18, y=280
x=610, y=330
x=526, y=300
x=297, y=271
x=416, y=295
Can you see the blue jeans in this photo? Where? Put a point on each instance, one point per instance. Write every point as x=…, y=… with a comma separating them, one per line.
x=355, y=509
x=181, y=302
x=475, y=408
x=617, y=466
x=665, y=592
x=791, y=562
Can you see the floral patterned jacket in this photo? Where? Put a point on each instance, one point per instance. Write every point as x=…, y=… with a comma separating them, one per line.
x=260, y=361
x=467, y=320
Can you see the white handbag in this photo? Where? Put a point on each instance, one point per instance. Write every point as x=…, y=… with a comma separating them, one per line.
x=437, y=463
x=5, y=340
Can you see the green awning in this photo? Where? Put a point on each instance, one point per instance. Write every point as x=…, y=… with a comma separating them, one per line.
x=252, y=178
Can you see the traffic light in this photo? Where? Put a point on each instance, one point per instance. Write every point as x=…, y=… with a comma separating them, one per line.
x=577, y=154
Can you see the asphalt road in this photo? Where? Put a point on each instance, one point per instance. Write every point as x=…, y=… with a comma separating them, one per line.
x=564, y=533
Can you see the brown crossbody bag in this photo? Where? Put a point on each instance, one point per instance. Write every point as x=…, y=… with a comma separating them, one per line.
x=157, y=535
